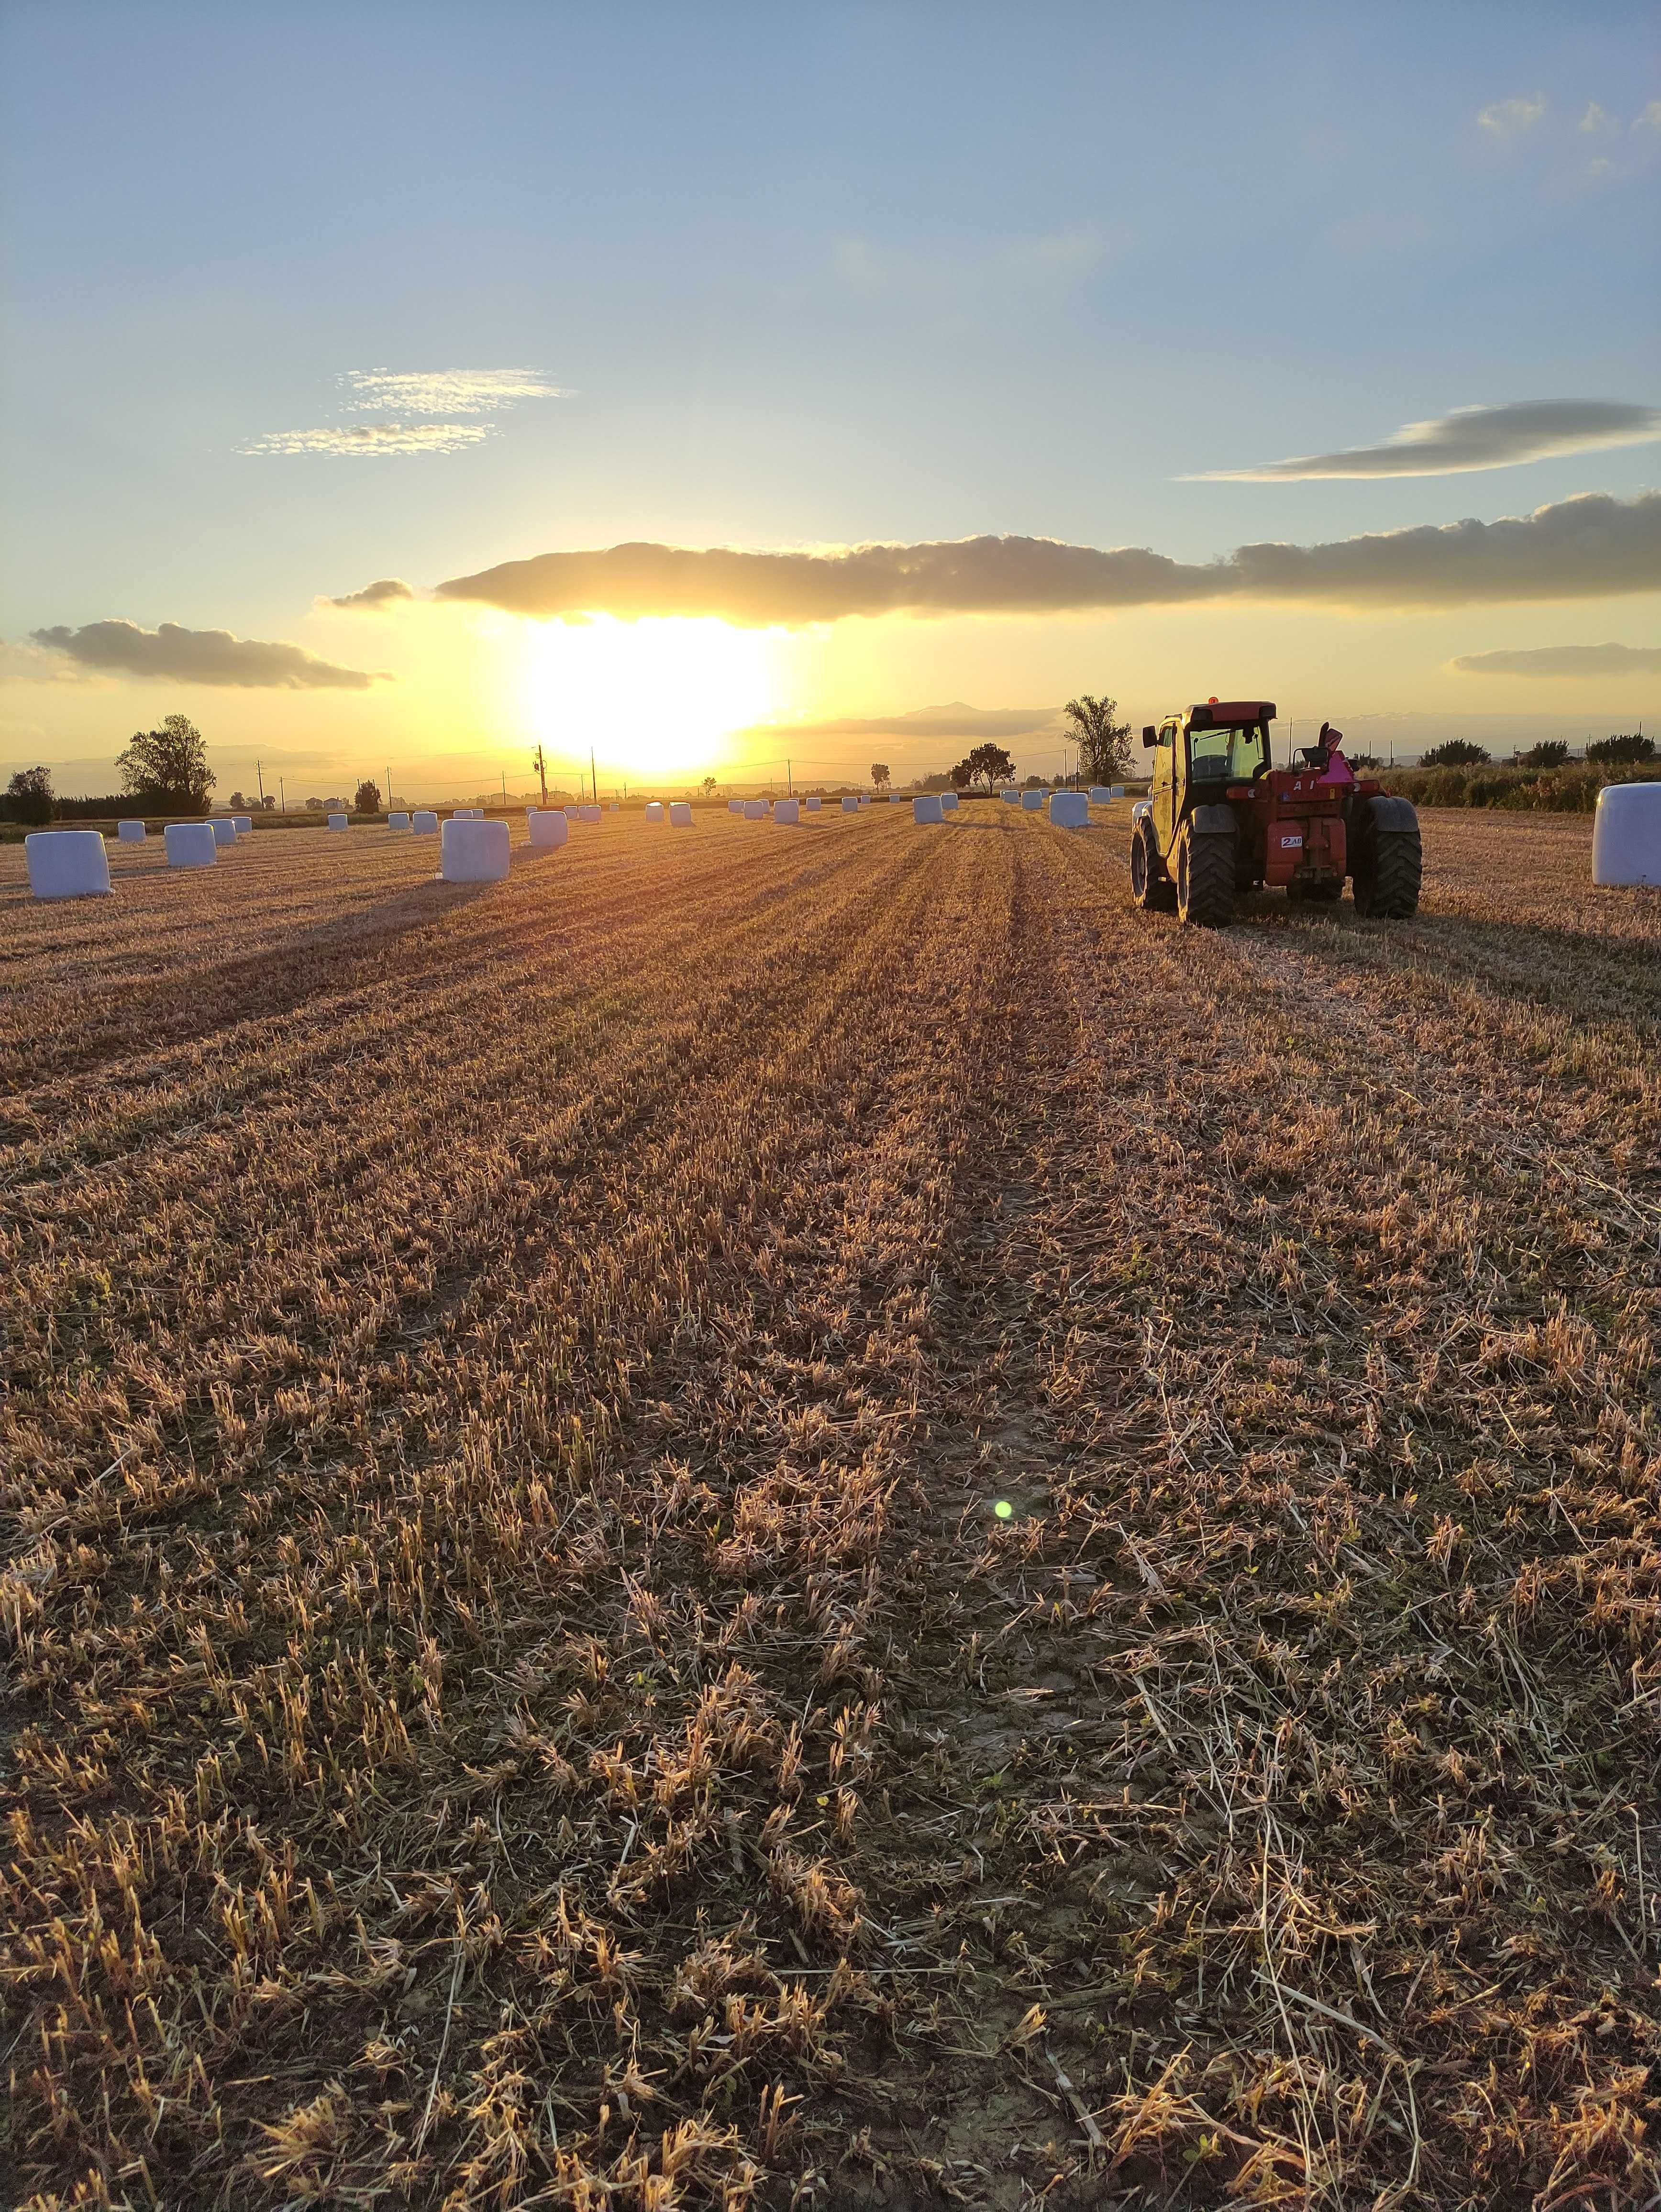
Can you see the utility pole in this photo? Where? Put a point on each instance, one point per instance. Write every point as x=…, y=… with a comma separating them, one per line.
x=504, y=786
x=541, y=767
x=593, y=775
x=389, y=789
x=261, y=786
x=789, y=786
x=281, y=798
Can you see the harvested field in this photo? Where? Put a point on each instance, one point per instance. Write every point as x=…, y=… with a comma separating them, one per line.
x=523, y=1694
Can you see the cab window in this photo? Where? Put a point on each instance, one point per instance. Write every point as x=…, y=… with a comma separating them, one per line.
x=1225, y=756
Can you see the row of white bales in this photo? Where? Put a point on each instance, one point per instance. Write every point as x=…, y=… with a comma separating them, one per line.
x=75, y=863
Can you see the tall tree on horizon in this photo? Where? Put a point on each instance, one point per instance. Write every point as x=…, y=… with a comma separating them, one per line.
x=169, y=767
x=1104, y=743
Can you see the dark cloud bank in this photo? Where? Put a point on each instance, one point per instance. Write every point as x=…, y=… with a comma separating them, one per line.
x=1591, y=547
x=200, y=656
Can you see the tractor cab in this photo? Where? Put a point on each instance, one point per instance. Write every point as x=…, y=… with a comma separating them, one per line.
x=1199, y=754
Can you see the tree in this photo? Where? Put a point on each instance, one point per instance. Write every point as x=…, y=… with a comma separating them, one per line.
x=709, y=787
x=1621, y=752
x=365, y=800
x=237, y=804
x=29, y=797
x=1551, y=752
x=879, y=775
x=988, y=764
x=1104, y=743
x=168, y=767
x=1457, y=752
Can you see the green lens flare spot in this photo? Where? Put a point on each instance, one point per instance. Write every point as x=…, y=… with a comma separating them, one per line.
x=1004, y=1510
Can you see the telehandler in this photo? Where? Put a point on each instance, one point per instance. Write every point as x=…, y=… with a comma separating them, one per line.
x=1223, y=820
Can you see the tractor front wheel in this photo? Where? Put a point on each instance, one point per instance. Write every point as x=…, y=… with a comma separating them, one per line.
x=1205, y=876
x=1150, y=887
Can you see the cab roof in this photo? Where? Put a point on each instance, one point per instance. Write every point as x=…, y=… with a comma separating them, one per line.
x=1229, y=714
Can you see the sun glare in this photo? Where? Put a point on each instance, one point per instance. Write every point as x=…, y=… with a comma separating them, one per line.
x=651, y=697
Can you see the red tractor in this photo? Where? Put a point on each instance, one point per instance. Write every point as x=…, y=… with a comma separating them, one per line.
x=1222, y=820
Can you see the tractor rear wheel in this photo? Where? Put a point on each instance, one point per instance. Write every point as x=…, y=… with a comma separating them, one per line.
x=1205, y=876
x=1388, y=861
x=1150, y=887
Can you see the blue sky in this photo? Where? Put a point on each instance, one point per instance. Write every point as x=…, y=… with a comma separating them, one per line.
x=806, y=277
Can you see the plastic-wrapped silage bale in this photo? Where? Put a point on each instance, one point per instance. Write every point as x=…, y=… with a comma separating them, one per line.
x=1069, y=810
x=680, y=814
x=548, y=827
x=786, y=810
x=423, y=822
x=397, y=819
x=755, y=810
x=928, y=808
x=1118, y=791
x=340, y=822
x=190, y=844
x=735, y=806
x=813, y=805
x=1031, y=801
x=1626, y=836
x=587, y=814
x=948, y=802
x=130, y=833
x=65, y=864
x=1100, y=794
x=654, y=809
x=473, y=851
x=243, y=824
x=224, y=830
x=850, y=806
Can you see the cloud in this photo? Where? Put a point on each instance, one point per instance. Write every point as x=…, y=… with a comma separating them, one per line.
x=34, y=664
x=1470, y=438
x=383, y=593
x=374, y=439
x=447, y=390
x=200, y=656
x=1582, y=660
x=1650, y=118
x=1505, y=118
x=955, y=720
x=1589, y=547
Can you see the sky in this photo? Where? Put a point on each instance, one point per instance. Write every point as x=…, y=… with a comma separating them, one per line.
x=705, y=387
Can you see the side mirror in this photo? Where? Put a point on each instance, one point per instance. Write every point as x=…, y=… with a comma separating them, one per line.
x=1150, y=736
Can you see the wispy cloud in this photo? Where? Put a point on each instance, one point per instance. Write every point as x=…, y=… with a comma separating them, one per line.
x=1581, y=661
x=374, y=439
x=1593, y=546
x=1468, y=439
x=1506, y=118
x=200, y=656
x=387, y=592
x=447, y=390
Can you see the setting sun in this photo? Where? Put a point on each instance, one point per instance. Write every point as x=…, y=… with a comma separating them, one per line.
x=649, y=697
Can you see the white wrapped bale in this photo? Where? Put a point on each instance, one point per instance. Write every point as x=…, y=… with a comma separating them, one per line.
x=928, y=808
x=1069, y=810
x=813, y=807
x=397, y=819
x=865, y=798
x=548, y=829
x=473, y=851
x=190, y=844
x=66, y=864
x=680, y=814
x=243, y=824
x=614, y=806
x=735, y=806
x=850, y=806
x=755, y=810
x=788, y=810
x=948, y=802
x=1010, y=797
x=224, y=830
x=1100, y=794
x=423, y=822
x=1118, y=791
x=340, y=822
x=587, y=814
x=654, y=809
x=130, y=833
x=1626, y=834
x=1031, y=801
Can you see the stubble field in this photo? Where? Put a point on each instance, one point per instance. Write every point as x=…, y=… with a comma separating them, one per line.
x=522, y=1693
